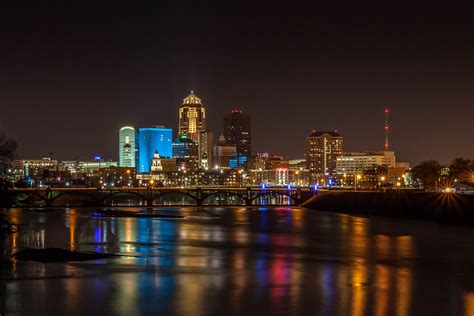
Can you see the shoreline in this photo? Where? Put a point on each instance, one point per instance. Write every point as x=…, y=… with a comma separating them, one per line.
x=444, y=208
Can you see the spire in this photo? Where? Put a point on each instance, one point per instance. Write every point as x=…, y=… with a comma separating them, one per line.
x=222, y=139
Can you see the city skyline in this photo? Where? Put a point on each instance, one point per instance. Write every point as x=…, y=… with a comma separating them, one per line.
x=325, y=70
x=236, y=158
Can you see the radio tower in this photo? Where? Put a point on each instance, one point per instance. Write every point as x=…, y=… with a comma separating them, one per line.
x=385, y=146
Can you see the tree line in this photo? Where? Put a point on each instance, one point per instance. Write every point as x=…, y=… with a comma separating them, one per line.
x=432, y=175
x=8, y=150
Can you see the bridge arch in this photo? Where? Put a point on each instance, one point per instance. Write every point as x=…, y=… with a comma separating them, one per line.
x=28, y=198
x=82, y=199
x=222, y=197
x=174, y=198
x=119, y=195
x=274, y=198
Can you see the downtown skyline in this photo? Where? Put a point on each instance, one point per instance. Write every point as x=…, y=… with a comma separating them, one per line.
x=305, y=73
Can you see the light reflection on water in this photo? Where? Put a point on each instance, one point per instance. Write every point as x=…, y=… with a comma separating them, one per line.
x=240, y=260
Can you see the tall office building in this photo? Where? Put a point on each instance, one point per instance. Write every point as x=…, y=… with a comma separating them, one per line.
x=322, y=151
x=205, y=143
x=186, y=152
x=151, y=140
x=127, y=147
x=192, y=117
x=237, y=132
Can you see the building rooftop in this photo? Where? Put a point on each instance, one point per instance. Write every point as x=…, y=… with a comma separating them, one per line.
x=183, y=139
x=334, y=133
x=192, y=99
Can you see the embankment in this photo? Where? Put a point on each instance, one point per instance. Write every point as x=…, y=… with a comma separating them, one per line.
x=441, y=207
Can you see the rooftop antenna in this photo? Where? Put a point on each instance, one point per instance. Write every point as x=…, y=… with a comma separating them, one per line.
x=385, y=146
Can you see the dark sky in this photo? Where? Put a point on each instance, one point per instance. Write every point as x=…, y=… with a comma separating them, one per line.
x=70, y=77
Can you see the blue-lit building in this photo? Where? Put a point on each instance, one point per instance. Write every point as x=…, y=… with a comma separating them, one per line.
x=237, y=161
x=151, y=139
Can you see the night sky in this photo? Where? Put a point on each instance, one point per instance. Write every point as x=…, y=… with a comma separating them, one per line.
x=70, y=77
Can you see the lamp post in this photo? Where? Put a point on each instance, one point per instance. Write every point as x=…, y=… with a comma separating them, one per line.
x=357, y=178
x=382, y=179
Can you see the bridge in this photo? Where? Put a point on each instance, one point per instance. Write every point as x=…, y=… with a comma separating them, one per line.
x=199, y=196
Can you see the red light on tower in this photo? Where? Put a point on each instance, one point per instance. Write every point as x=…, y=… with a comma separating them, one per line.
x=386, y=111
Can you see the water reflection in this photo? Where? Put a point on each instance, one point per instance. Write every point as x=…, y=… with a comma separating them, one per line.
x=233, y=261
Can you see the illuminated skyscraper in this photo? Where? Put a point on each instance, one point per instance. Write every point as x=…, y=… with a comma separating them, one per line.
x=322, y=151
x=192, y=117
x=127, y=147
x=151, y=140
x=237, y=132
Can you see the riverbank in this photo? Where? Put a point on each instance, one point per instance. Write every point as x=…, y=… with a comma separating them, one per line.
x=440, y=207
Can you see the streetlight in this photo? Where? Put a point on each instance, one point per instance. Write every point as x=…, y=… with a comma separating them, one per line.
x=382, y=179
x=357, y=178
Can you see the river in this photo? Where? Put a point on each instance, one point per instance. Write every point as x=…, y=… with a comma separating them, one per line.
x=238, y=261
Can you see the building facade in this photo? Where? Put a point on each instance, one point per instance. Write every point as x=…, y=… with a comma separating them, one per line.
x=223, y=153
x=186, y=151
x=205, y=142
x=237, y=132
x=357, y=163
x=322, y=150
x=150, y=140
x=192, y=117
x=127, y=147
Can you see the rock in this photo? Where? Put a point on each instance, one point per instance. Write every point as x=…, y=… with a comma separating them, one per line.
x=58, y=255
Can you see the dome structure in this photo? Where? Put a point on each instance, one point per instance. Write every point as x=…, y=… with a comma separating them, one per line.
x=192, y=99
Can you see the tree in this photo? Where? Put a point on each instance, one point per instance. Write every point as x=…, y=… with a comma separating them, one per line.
x=461, y=169
x=8, y=148
x=428, y=173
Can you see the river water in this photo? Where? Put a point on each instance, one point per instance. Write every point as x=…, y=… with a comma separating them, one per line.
x=238, y=261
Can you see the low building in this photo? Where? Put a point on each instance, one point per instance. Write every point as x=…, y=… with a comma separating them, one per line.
x=117, y=177
x=24, y=168
x=222, y=154
x=358, y=162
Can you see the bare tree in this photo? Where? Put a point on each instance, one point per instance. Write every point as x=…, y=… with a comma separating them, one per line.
x=8, y=147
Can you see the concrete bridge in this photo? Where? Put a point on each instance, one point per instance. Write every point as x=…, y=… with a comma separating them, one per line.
x=158, y=196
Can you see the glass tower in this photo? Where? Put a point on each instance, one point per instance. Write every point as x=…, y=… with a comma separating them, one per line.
x=127, y=147
x=151, y=140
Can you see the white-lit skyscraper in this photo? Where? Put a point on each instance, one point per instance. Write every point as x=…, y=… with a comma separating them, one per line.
x=127, y=147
